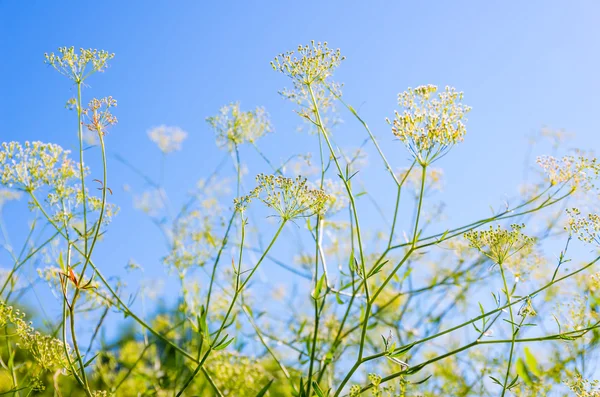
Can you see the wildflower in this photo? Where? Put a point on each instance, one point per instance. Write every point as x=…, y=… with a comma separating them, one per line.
x=48, y=352
x=556, y=137
x=78, y=66
x=583, y=387
x=195, y=235
x=98, y=113
x=337, y=195
x=303, y=165
x=234, y=127
x=499, y=244
x=314, y=62
x=35, y=164
x=578, y=171
x=8, y=195
x=527, y=309
x=586, y=228
x=168, y=139
x=151, y=202
x=355, y=391
x=429, y=126
x=290, y=198
x=433, y=178
x=47, y=167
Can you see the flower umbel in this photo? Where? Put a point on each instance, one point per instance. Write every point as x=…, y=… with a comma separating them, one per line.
x=47, y=351
x=78, y=66
x=578, y=171
x=290, y=197
x=35, y=164
x=586, y=228
x=430, y=125
x=99, y=116
x=499, y=244
x=168, y=139
x=314, y=62
x=233, y=126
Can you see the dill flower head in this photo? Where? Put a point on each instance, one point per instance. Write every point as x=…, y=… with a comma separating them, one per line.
x=578, y=171
x=290, y=197
x=35, y=164
x=47, y=167
x=499, y=244
x=48, y=352
x=234, y=127
x=99, y=115
x=78, y=66
x=337, y=195
x=309, y=63
x=586, y=228
x=584, y=387
x=430, y=125
x=195, y=235
x=168, y=139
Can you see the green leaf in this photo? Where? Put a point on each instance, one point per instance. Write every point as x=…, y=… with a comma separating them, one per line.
x=318, y=390
x=88, y=362
x=421, y=381
x=532, y=363
x=496, y=381
x=522, y=371
x=402, y=350
x=264, y=390
x=223, y=344
x=317, y=291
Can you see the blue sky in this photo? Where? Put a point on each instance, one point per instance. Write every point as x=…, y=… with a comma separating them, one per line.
x=522, y=66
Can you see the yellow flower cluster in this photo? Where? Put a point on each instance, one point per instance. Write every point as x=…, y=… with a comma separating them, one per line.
x=78, y=66
x=310, y=63
x=578, y=171
x=583, y=387
x=430, y=125
x=586, y=228
x=194, y=237
x=355, y=391
x=168, y=139
x=99, y=115
x=499, y=244
x=36, y=164
x=290, y=197
x=47, y=351
x=337, y=195
x=234, y=127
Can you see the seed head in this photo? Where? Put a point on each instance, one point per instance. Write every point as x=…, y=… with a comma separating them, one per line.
x=290, y=198
x=499, y=244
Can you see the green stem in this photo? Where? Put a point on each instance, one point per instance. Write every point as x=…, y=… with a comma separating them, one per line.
x=512, y=324
x=239, y=288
